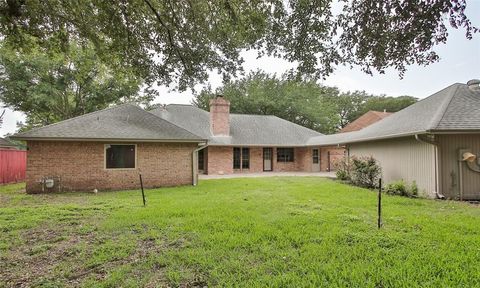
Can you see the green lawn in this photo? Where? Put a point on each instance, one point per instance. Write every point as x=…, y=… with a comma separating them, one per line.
x=257, y=232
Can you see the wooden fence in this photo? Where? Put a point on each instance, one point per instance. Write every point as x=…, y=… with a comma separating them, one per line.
x=13, y=164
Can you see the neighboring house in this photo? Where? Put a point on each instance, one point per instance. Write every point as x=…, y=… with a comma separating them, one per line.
x=361, y=122
x=7, y=145
x=365, y=120
x=434, y=142
x=239, y=143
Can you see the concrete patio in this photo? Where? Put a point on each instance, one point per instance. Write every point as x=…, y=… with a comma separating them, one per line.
x=268, y=174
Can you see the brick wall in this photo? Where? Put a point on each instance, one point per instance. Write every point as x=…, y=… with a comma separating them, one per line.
x=80, y=166
x=335, y=154
x=220, y=160
x=256, y=160
x=300, y=164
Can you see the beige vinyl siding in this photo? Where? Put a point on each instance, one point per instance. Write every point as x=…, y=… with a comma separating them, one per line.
x=402, y=158
x=448, y=157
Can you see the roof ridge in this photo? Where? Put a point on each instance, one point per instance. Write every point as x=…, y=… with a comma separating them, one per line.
x=189, y=105
x=73, y=118
x=446, y=103
x=263, y=115
x=173, y=124
x=319, y=134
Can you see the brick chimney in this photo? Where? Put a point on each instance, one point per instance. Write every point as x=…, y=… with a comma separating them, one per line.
x=220, y=116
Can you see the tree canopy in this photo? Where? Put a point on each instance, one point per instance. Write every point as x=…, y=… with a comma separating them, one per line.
x=351, y=105
x=50, y=86
x=305, y=102
x=169, y=41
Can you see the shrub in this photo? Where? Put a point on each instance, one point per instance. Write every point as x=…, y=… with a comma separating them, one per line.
x=402, y=189
x=365, y=172
x=396, y=188
x=342, y=168
x=413, y=189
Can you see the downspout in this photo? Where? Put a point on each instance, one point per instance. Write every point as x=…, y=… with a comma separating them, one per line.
x=435, y=149
x=460, y=180
x=195, y=163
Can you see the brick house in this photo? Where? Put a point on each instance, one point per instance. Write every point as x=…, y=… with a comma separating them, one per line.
x=239, y=143
x=107, y=149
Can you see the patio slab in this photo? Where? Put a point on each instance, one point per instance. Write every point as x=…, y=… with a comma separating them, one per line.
x=268, y=174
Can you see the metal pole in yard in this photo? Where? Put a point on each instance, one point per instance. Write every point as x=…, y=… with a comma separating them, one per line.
x=379, y=203
x=141, y=185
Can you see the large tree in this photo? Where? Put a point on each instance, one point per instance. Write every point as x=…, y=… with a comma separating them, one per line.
x=351, y=105
x=50, y=86
x=304, y=102
x=179, y=41
x=301, y=102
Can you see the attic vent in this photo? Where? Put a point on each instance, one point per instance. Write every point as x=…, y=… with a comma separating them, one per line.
x=474, y=84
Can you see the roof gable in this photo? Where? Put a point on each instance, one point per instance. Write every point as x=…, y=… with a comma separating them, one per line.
x=365, y=120
x=462, y=112
x=450, y=108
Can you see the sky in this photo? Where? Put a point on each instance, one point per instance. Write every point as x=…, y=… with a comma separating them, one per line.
x=459, y=62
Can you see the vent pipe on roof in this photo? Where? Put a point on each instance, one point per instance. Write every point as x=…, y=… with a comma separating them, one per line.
x=474, y=85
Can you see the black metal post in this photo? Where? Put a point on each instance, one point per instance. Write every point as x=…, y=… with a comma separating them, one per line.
x=141, y=185
x=379, y=203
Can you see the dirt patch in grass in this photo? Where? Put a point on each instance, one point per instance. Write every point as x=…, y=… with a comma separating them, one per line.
x=61, y=256
x=41, y=250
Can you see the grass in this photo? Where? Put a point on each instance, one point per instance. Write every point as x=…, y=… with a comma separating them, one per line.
x=257, y=232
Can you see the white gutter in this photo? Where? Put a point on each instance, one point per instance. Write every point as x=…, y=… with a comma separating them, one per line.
x=195, y=164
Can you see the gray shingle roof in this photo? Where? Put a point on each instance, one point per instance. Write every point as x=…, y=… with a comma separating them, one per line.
x=5, y=143
x=244, y=129
x=123, y=122
x=455, y=108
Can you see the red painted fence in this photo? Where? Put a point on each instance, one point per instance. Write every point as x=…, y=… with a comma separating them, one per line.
x=13, y=164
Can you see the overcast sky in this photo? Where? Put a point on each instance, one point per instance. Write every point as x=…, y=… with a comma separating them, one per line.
x=459, y=62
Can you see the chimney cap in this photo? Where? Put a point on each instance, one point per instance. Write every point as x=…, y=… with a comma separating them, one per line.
x=219, y=96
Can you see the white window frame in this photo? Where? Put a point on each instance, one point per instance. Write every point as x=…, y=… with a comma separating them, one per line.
x=105, y=146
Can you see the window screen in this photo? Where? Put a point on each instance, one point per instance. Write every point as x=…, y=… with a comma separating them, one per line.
x=120, y=156
x=315, y=156
x=245, y=158
x=284, y=154
x=236, y=157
